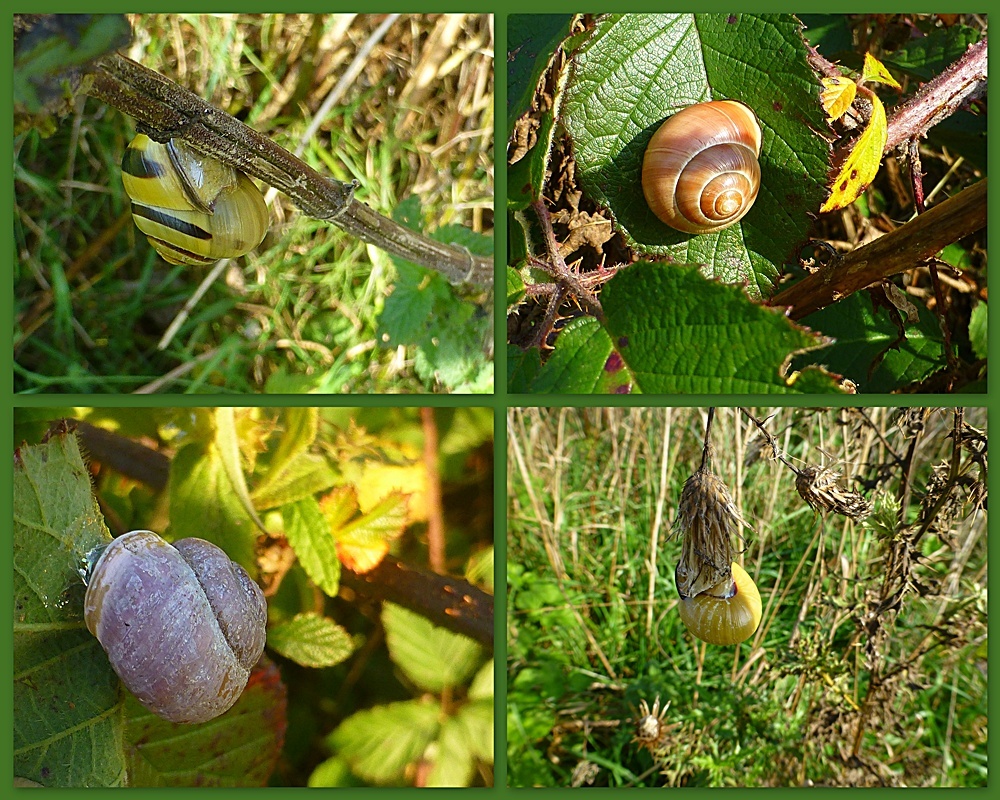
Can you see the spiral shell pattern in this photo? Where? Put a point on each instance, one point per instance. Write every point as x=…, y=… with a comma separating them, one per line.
x=700, y=172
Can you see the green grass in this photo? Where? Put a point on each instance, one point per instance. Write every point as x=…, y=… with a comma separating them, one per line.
x=93, y=300
x=836, y=686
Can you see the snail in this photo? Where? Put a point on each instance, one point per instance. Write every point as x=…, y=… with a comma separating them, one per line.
x=700, y=172
x=193, y=209
x=727, y=613
x=182, y=624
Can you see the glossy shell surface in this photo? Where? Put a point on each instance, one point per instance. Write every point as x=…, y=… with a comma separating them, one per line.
x=192, y=208
x=727, y=614
x=182, y=625
x=700, y=171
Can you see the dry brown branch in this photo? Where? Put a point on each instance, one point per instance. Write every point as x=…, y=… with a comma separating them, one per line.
x=171, y=111
x=903, y=249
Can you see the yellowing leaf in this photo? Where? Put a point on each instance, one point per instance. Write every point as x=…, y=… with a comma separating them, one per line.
x=837, y=96
x=378, y=480
x=874, y=71
x=862, y=164
x=363, y=541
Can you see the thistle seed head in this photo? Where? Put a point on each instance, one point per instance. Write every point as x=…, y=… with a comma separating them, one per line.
x=820, y=488
x=710, y=523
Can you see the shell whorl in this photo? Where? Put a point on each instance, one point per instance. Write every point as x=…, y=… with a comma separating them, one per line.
x=700, y=172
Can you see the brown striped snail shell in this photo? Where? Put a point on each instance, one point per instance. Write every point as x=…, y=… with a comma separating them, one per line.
x=193, y=209
x=182, y=624
x=728, y=613
x=700, y=172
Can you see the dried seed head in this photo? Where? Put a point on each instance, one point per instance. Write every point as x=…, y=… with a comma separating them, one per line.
x=710, y=522
x=650, y=726
x=820, y=488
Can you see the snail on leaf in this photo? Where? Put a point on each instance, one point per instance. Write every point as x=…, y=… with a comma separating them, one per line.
x=182, y=624
x=700, y=172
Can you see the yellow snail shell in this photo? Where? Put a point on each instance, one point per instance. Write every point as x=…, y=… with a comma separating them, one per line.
x=193, y=209
x=728, y=613
x=700, y=172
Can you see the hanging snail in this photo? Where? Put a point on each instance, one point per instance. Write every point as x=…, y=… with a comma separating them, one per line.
x=700, y=172
x=727, y=613
x=182, y=624
x=193, y=209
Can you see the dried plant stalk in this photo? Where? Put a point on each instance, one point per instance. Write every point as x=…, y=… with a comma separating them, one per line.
x=710, y=523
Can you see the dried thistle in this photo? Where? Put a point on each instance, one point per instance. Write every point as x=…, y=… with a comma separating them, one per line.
x=820, y=488
x=650, y=728
x=710, y=523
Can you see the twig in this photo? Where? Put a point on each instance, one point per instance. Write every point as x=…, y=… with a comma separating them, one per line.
x=903, y=249
x=435, y=517
x=170, y=111
x=449, y=602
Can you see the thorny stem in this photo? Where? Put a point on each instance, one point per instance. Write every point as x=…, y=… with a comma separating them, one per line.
x=961, y=83
x=566, y=281
x=170, y=111
x=903, y=249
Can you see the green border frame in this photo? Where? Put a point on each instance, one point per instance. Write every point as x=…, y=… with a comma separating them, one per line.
x=499, y=401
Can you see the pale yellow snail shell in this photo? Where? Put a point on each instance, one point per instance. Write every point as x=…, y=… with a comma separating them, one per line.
x=728, y=613
x=193, y=209
x=700, y=172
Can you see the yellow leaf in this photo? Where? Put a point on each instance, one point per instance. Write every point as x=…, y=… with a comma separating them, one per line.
x=862, y=164
x=362, y=558
x=379, y=480
x=874, y=71
x=837, y=96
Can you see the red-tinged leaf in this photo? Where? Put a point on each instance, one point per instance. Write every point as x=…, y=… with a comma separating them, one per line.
x=238, y=749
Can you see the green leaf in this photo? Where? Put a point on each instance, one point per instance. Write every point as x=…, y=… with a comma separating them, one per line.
x=927, y=56
x=585, y=362
x=638, y=69
x=679, y=333
x=305, y=475
x=299, y=429
x=977, y=331
x=309, y=535
x=482, y=685
x=311, y=640
x=68, y=719
x=669, y=330
x=56, y=45
x=867, y=348
x=334, y=772
x=829, y=33
x=526, y=176
x=479, y=570
x=464, y=737
x=203, y=504
x=382, y=522
x=531, y=41
x=523, y=368
x=227, y=441
x=515, y=287
x=238, y=749
x=432, y=657
x=382, y=742
x=453, y=355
